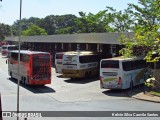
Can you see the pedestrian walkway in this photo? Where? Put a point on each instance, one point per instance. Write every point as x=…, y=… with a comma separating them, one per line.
x=146, y=97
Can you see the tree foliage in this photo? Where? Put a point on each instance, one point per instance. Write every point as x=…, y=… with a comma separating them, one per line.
x=92, y=23
x=4, y=31
x=147, y=30
x=146, y=41
x=34, y=30
x=121, y=21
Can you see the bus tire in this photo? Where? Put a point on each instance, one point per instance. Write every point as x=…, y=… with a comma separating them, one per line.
x=11, y=75
x=22, y=80
x=86, y=74
x=131, y=85
x=90, y=74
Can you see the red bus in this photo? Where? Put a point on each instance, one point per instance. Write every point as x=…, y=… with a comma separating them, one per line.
x=7, y=48
x=2, y=43
x=35, y=67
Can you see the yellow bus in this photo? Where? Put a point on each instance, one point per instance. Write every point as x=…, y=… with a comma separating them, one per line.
x=80, y=64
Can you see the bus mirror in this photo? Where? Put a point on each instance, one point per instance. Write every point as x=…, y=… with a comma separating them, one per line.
x=6, y=61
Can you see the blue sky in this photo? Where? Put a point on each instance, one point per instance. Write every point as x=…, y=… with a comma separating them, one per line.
x=9, y=9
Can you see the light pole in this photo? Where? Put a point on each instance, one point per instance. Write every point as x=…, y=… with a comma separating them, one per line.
x=19, y=58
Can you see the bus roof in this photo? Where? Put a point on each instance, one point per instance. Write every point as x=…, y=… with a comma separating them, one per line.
x=9, y=45
x=60, y=52
x=29, y=52
x=80, y=53
x=122, y=58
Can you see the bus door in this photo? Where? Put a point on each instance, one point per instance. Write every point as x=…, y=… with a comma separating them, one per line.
x=128, y=73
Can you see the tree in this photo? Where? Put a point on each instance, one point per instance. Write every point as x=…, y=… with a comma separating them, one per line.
x=25, y=24
x=34, y=30
x=108, y=20
x=120, y=21
x=5, y=30
x=65, y=24
x=59, y=24
x=147, y=32
x=92, y=23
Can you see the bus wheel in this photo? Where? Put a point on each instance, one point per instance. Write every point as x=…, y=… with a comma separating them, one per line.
x=131, y=88
x=11, y=75
x=131, y=85
x=90, y=74
x=22, y=81
x=86, y=74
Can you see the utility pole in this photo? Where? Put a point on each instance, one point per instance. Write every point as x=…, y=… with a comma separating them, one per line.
x=19, y=43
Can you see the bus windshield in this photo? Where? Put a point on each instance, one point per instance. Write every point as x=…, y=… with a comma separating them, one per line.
x=41, y=67
x=59, y=56
x=4, y=47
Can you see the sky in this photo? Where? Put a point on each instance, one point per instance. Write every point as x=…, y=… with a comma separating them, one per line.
x=10, y=9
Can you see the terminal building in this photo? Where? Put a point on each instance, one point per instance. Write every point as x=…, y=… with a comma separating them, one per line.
x=107, y=43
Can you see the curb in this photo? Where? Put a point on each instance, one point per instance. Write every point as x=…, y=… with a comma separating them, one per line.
x=139, y=98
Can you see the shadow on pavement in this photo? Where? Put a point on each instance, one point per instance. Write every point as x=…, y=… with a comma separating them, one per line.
x=125, y=92
x=81, y=80
x=60, y=76
x=38, y=89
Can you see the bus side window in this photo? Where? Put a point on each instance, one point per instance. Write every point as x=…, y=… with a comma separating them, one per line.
x=137, y=64
x=14, y=56
x=24, y=58
x=127, y=66
x=141, y=64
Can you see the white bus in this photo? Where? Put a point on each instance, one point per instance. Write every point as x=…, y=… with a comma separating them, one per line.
x=7, y=48
x=79, y=64
x=58, y=62
x=122, y=73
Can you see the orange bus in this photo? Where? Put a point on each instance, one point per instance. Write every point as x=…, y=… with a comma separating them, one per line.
x=34, y=67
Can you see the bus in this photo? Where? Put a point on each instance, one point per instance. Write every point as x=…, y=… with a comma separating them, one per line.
x=122, y=73
x=34, y=67
x=80, y=64
x=58, y=62
x=2, y=43
x=7, y=48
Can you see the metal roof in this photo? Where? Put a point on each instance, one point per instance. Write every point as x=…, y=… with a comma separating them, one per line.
x=102, y=38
